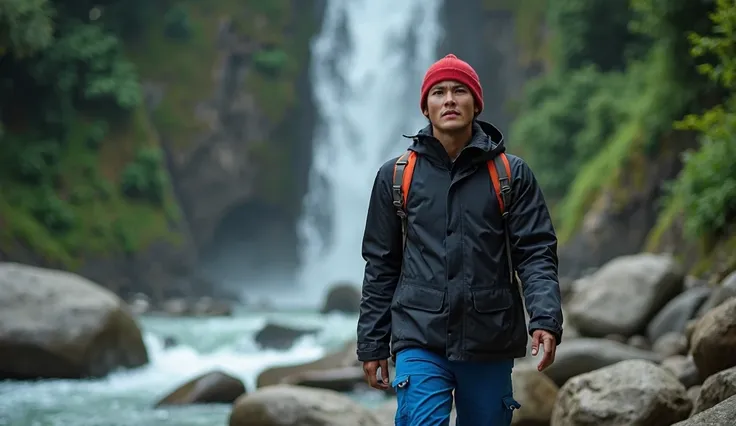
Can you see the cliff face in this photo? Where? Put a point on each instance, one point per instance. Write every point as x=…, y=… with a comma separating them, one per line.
x=621, y=215
x=234, y=112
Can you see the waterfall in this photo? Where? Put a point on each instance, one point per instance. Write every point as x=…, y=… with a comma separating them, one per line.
x=367, y=65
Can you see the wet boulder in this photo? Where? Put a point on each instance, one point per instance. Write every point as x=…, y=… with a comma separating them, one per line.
x=339, y=359
x=624, y=295
x=636, y=393
x=715, y=389
x=212, y=387
x=287, y=405
x=581, y=356
x=342, y=297
x=56, y=324
x=281, y=337
x=713, y=343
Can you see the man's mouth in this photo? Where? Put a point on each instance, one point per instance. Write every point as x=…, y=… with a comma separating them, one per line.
x=450, y=113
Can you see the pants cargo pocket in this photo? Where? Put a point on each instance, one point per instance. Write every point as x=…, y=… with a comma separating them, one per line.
x=509, y=405
x=400, y=385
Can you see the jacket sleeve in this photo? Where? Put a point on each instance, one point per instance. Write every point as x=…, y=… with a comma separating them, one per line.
x=534, y=251
x=382, y=252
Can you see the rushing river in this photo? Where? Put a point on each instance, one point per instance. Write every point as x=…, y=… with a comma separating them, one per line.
x=127, y=398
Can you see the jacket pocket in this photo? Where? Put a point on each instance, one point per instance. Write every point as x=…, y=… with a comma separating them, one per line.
x=490, y=322
x=491, y=300
x=418, y=315
x=422, y=298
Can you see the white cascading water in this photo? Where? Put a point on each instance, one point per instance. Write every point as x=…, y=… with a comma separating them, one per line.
x=368, y=64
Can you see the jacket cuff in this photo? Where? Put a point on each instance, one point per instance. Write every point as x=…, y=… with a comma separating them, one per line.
x=373, y=352
x=547, y=324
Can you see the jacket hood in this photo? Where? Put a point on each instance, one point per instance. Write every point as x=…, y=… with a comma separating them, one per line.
x=487, y=141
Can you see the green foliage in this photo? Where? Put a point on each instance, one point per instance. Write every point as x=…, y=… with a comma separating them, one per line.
x=54, y=213
x=620, y=78
x=707, y=183
x=270, y=62
x=144, y=178
x=567, y=119
x=71, y=110
x=35, y=162
x=666, y=22
x=26, y=26
x=592, y=32
x=87, y=65
x=273, y=9
x=177, y=24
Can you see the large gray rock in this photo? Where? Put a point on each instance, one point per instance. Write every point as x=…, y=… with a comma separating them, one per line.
x=723, y=414
x=55, y=324
x=287, y=405
x=716, y=389
x=684, y=368
x=623, y=295
x=713, y=343
x=584, y=355
x=536, y=393
x=725, y=290
x=675, y=314
x=632, y=393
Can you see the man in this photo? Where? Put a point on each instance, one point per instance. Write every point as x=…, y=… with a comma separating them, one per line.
x=443, y=299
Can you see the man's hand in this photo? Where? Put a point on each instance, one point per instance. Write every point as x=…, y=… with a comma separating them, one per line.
x=548, y=341
x=370, y=368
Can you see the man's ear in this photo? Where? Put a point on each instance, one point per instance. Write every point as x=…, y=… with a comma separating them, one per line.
x=426, y=113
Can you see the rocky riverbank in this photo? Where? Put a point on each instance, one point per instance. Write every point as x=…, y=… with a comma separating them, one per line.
x=644, y=344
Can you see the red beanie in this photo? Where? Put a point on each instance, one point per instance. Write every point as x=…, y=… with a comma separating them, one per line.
x=452, y=68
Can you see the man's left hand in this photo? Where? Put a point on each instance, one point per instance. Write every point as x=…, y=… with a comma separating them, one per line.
x=549, y=343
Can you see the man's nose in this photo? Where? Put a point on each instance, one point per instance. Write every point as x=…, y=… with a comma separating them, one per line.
x=449, y=98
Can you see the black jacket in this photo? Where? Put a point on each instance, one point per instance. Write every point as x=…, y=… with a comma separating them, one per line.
x=449, y=291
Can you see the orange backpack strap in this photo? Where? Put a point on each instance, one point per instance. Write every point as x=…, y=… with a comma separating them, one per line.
x=500, y=171
x=403, y=172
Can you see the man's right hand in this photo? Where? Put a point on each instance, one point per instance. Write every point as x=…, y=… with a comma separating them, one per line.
x=370, y=368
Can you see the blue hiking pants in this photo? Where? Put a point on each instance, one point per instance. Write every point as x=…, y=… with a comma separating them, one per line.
x=424, y=383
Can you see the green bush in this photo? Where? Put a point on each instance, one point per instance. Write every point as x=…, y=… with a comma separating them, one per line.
x=36, y=162
x=593, y=32
x=270, y=62
x=707, y=185
x=97, y=133
x=52, y=212
x=87, y=65
x=177, y=24
x=144, y=178
x=567, y=119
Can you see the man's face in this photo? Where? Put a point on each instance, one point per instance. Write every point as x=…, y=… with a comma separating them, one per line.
x=450, y=106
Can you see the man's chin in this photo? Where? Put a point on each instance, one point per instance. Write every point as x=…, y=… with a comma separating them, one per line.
x=452, y=125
